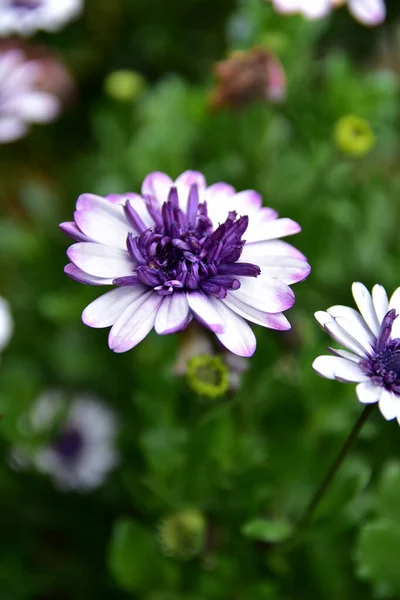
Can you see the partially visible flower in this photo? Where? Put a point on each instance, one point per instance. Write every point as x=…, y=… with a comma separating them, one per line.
x=6, y=323
x=208, y=375
x=368, y=12
x=180, y=251
x=372, y=337
x=124, y=85
x=80, y=437
x=25, y=17
x=22, y=102
x=246, y=76
x=183, y=534
x=353, y=135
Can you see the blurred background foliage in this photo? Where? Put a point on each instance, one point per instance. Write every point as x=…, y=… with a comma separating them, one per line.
x=206, y=488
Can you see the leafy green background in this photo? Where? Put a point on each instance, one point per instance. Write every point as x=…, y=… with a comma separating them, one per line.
x=248, y=462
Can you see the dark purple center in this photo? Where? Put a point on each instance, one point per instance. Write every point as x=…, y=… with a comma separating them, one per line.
x=68, y=445
x=182, y=252
x=25, y=5
x=383, y=366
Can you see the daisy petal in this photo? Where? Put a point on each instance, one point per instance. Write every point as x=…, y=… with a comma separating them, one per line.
x=368, y=392
x=333, y=367
x=381, y=302
x=257, y=251
x=368, y=12
x=395, y=303
x=78, y=275
x=288, y=270
x=343, y=337
x=183, y=184
x=157, y=185
x=272, y=321
x=366, y=307
x=238, y=337
x=270, y=230
x=345, y=354
x=101, y=261
x=265, y=293
x=389, y=405
x=71, y=229
x=350, y=315
x=134, y=323
x=105, y=310
x=357, y=332
x=205, y=312
x=102, y=221
x=173, y=314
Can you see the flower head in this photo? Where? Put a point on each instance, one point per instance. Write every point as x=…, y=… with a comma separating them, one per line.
x=354, y=135
x=25, y=17
x=368, y=12
x=372, y=337
x=180, y=251
x=208, y=375
x=22, y=102
x=79, y=450
x=182, y=534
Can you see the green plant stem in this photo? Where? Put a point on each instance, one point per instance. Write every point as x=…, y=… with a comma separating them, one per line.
x=316, y=499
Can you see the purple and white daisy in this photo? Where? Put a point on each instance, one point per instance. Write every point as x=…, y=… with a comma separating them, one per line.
x=368, y=12
x=6, y=323
x=80, y=450
x=25, y=17
x=21, y=100
x=372, y=337
x=182, y=250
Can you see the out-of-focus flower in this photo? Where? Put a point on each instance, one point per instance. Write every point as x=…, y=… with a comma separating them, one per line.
x=176, y=253
x=6, y=323
x=368, y=12
x=247, y=76
x=183, y=534
x=124, y=85
x=373, y=337
x=354, y=135
x=80, y=448
x=208, y=375
x=25, y=17
x=22, y=102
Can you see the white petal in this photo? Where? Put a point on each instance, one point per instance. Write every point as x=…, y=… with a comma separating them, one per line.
x=105, y=310
x=317, y=9
x=352, y=317
x=358, y=332
x=101, y=261
x=204, y=311
x=135, y=322
x=395, y=303
x=265, y=293
x=369, y=12
x=333, y=367
x=323, y=318
x=273, y=321
x=6, y=323
x=288, y=270
x=37, y=107
x=183, y=184
x=343, y=337
x=157, y=185
x=78, y=275
x=238, y=336
x=102, y=221
x=270, y=230
x=173, y=314
x=389, y=405
x=11, y=128
x=255, y=252
x=366, y=307
x=345, y=354
x=381, y=302
x=368, y=392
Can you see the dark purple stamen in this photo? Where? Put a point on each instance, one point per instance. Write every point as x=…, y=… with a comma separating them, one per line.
x=69, y=445
x=182, y=252
x=383, y=365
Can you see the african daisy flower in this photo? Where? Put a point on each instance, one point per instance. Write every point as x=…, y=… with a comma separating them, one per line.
x=182, y=250
x=22, y=102
x=368, y=12
x=372, y=337
x=25, y=17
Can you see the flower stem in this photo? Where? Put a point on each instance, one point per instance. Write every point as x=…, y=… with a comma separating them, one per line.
x=316, y=499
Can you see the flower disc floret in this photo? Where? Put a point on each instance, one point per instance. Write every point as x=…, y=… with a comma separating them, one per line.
x=182, y=250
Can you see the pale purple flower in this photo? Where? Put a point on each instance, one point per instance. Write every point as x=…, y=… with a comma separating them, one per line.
x=21, y=100
x=372, y=337
x=183, y=250
x=25, y=17
x=368, y=12
x=80, y=449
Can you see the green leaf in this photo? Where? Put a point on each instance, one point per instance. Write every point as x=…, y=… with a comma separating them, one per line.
x=378, y=553
x=388, y=502
x=267, y=530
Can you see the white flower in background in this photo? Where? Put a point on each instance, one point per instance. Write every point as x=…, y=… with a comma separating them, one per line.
x=6, y=323
x=80, y=449
x=373, y=337
x=21, y=100
x=368, y=12
x=25, y=17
